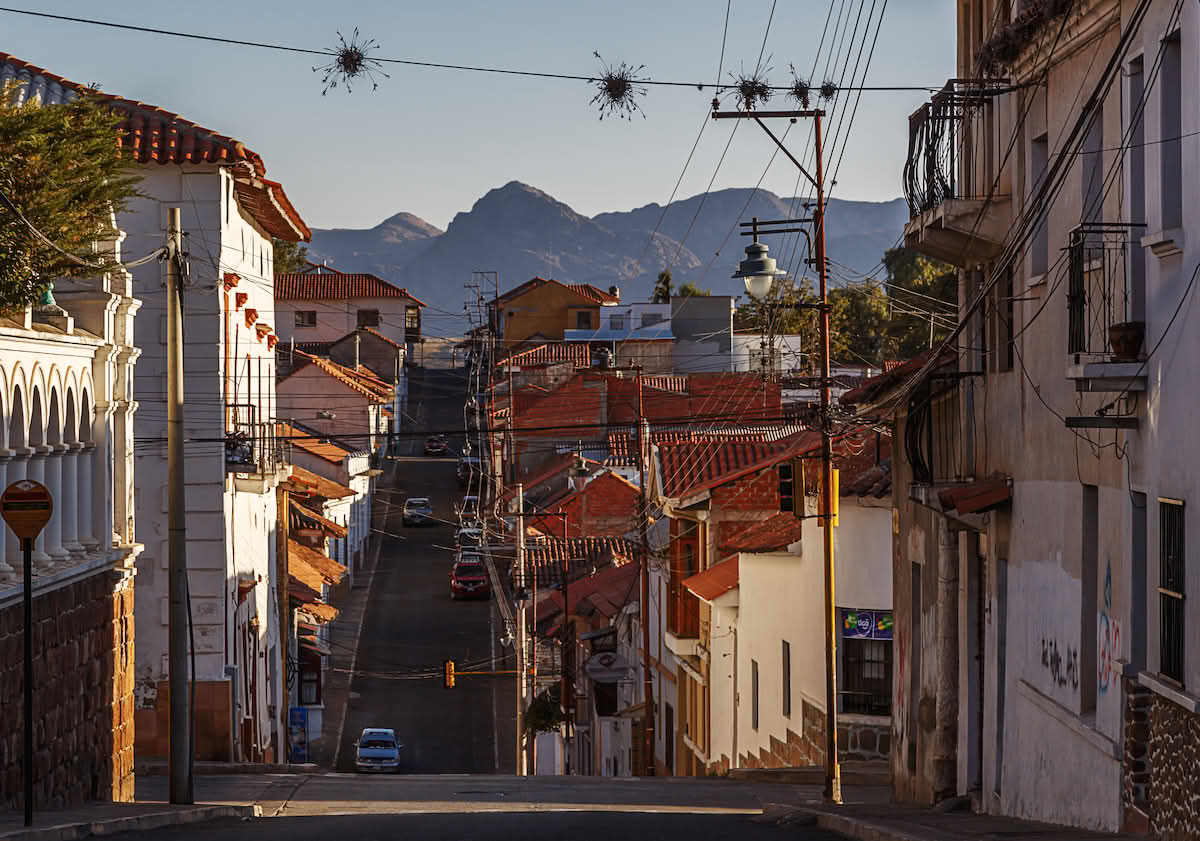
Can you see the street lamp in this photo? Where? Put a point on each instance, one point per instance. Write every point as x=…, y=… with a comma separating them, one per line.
x=758, y=270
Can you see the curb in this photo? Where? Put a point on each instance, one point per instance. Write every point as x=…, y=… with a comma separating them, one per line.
x=215, y=769
x=133, y=823
x=856, y=828
x=808, y=776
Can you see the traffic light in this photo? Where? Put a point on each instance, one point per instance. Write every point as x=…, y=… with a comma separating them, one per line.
x=791, y=497
x=448, y=674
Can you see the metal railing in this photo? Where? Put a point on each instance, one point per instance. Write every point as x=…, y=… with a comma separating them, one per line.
x=1098, y=286
x=252, y=446
x=932, y=438
x=939, y=139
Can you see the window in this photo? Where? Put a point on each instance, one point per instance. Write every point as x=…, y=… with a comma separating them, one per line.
x=1001, y=339
x=616, y=322
x=1171, y=127
x=867, y=676
x=1039, y=157
x=754, y=694
x=368, y=318
x=412, y=318
x=306, y=318
x=1170, y=589
x=1137, y=185
x=787, y=679
x=310, y=684
x=1089, y=583
x=649, y=318
x=1091, y=165
x=583, y=321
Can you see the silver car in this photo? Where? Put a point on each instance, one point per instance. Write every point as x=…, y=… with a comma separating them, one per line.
x=377, y=750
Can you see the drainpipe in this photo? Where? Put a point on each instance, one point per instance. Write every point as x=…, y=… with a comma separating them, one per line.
x=945, y=736
x=733, y=630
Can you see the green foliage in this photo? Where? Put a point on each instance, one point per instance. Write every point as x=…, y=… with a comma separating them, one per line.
x=544, y=713
x=662, y=289
x=62, y=169
x=289, y=256
x=689, y=290
x=868, y=321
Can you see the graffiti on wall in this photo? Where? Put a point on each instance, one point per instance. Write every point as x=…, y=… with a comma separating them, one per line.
x=1063, y=666
x=1109, y=631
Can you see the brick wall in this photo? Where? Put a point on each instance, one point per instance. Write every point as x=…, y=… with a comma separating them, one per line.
x=1161, y=766
x=83, y=728
x=759, y=492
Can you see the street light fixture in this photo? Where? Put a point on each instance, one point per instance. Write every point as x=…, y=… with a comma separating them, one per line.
x=758, y=270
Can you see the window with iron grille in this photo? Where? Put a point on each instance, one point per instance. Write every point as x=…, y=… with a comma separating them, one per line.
x=867, y=676
x=1170, y=588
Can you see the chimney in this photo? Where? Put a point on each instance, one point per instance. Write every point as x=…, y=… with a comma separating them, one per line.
x=356, y=339
x=615, y=291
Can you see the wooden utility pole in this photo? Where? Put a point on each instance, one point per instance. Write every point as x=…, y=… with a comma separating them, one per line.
x=833, y=783
x=519, y=642
x=180, y=757
x=644, y=606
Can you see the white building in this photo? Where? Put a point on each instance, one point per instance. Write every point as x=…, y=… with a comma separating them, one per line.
x=322, y=304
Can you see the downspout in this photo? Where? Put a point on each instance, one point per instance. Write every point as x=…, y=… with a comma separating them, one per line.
x=734, y=758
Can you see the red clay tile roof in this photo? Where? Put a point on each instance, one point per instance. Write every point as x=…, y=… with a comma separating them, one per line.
x=667, y=382
x=303, y=517
x=360, y=380
x=313, y=444
x=149, y=134
x=329, y=285
x=715, y=581
x=584, y=290
x=576, y=353
x=603, y=594
x=582, y=556
x=305, y=562
x=769, y=535
x=980, y=495
x=382, y=337
x=691, y=467
x=892, y=377
x=593, y=293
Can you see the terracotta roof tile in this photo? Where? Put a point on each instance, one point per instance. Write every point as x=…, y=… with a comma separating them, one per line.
x=336, y=286
x=576, y=353
x=584, y=290
x=361, y=380
x=769, y=535
x=594, y=293
x=691, y=467
x=382, y=337
x=715, y=581
x=149, y=134
x=303, y=517
x=894, y=376
x=582, y=556
x=303, y=561
x=311, y=443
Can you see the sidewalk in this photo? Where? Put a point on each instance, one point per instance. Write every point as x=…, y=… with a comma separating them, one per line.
x=111, y=818
x=345, y=632
x=864, y=816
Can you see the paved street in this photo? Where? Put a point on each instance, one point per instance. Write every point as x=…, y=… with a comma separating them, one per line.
x=458, y=807
x=411, y=624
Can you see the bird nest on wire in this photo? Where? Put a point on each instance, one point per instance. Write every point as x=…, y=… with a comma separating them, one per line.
x=829, y=89
x=618, y=89
x=752, y=89
x=801, y=90
x=351, y=61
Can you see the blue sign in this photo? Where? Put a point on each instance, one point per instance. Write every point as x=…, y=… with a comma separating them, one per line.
x=866, y=624
x=298, y=734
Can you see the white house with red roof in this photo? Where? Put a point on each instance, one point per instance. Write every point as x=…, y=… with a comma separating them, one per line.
x=230, y=211
x=321, y=304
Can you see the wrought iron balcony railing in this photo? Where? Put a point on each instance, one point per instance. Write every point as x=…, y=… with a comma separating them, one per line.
x=251, y=446
x=1099, y=293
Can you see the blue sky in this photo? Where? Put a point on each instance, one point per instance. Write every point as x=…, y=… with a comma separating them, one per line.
x=432, y=141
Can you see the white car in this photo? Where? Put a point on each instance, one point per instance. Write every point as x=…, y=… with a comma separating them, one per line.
x=377, y=750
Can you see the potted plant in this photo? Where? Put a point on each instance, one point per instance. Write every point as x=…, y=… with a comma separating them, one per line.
x=1125, y=340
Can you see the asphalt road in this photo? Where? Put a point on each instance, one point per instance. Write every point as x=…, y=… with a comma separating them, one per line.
x=501, y=807
x=412, y=626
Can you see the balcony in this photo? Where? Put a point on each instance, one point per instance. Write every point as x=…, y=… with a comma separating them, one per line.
x=932, y=438
x=683, y=618
x=253, y=450
x=947, y=160
x=1104, y=343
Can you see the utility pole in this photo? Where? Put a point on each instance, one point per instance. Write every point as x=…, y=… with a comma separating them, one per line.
x=644, y=607
x=522, y=598
x=756, y=269
x=568, y=648
x=180, y=758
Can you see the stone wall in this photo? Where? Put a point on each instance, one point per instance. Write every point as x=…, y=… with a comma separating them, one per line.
x=83, y=729
x=1161, y=765
x=864, y=736
x=860, y=737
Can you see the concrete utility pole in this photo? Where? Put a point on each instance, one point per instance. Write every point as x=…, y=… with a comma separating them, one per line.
x=644, y=607
x=759, y=271
x=180, y=758
x=522, y=598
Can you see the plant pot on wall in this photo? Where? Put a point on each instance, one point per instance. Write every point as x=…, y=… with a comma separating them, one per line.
x=1125, y=340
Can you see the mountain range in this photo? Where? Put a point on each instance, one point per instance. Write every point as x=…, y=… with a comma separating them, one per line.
x=521, y=232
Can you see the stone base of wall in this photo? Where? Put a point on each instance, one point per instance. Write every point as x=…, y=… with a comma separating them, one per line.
x=864, y=737
x=859, y=737
x=1161, y=767
x=214, y=741
x=83, y=727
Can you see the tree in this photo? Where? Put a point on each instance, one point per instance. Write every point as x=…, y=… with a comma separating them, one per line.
x=915, y=286
x=662, y=289
x=289, y=256
x=62, y=170
x=689, y=290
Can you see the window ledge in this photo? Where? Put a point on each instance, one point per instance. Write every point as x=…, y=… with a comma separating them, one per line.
x=1172, y=693
x=1079, y=725
x=1165, y=243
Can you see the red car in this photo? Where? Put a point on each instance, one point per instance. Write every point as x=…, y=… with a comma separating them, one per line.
x=468, y=580
x=436, y=446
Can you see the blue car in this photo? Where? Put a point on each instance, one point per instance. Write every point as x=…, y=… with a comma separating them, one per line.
x=377, y=750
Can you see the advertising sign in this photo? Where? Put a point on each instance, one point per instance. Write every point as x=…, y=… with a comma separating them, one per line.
x=866, y=624
x=298, y=734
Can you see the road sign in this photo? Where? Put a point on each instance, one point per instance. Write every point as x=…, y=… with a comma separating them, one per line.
x=26, y=506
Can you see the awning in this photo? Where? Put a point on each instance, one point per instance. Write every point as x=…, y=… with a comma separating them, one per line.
x=715, y=581
x=313, y=644
x=980, y=495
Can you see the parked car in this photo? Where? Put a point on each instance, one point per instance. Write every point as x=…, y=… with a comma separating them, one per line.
x=468, y=536
x=468, y=508
x=436, y=445
x=469, y=579
x=470, y=468
x=417, y=511
x=377, y=750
